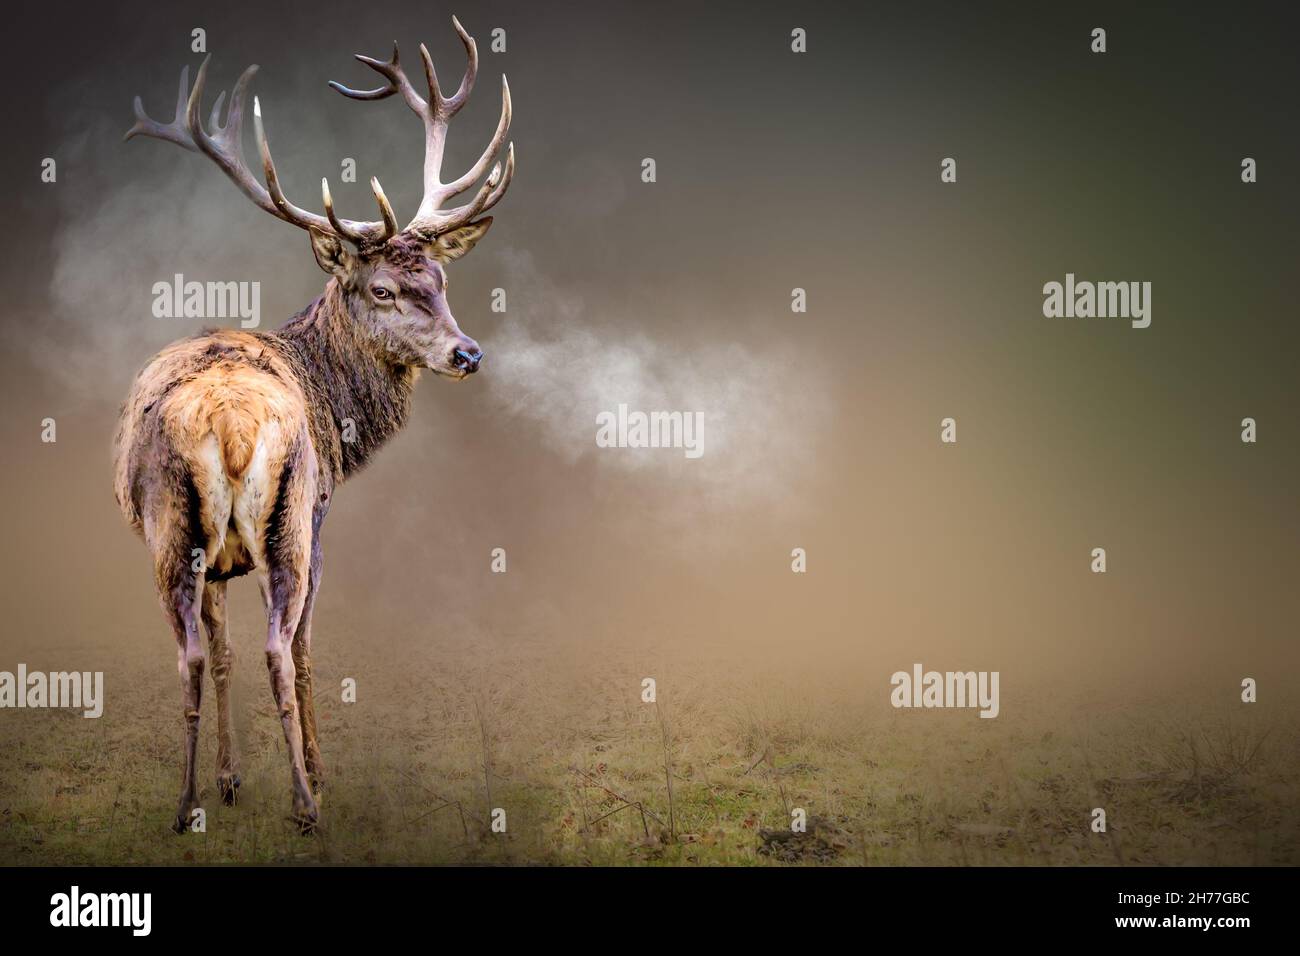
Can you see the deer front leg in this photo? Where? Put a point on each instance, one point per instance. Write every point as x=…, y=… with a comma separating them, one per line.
x=302, y=674
x=221, y=658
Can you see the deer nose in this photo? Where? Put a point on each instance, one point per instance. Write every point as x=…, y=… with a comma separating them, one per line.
x=467, y=361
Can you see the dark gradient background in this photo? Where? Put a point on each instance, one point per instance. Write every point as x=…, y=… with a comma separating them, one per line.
x=775, y=170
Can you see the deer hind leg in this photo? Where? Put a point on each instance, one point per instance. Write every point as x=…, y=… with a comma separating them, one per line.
x=176, y=533
x=284, y=558
x=221, y=660
x=302, y=670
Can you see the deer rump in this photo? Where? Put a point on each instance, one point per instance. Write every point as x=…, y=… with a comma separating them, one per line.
x=214, y=452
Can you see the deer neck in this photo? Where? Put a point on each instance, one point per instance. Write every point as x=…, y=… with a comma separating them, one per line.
x=358, y=399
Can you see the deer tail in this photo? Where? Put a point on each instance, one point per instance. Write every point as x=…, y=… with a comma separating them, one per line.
x=236, y=430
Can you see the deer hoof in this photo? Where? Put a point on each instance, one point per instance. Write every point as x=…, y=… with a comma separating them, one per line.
x=181, y=825
x=228, y=787
x=305, y=821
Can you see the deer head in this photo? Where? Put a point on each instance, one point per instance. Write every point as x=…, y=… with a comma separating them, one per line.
x=393, y=283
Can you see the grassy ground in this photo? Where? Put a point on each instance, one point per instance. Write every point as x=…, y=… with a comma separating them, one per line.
x=588, y=774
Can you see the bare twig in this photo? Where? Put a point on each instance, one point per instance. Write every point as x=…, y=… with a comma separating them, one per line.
x=668, y=768
x=592, y=781
x=446, y=801
x=487, y=760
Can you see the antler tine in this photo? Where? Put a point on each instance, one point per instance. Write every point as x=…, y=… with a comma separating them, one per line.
x=284, y=208
x=345, y=228
x=489, y=195
x=219, y=149
x=231, y=135
x=214, y=118
x=454, y=218
x=431, y=78
x=449, y=106
x=436, y=193
x=458, y=98
x=392, y=71
x=505, y=182
x=173, y=132
x=379, y=93
x=385, y=210
x=329, y=209
x=282, y=204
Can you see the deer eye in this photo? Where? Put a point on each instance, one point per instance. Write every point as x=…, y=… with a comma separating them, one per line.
x=381, y=293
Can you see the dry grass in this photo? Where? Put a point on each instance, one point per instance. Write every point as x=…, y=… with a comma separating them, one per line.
x=588, y=774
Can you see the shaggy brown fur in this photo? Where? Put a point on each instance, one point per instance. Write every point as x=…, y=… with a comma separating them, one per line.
x=228, y=450
x=230, y=443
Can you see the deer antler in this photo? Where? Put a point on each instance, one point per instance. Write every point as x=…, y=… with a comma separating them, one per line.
x=224, y=145
x=430, y=219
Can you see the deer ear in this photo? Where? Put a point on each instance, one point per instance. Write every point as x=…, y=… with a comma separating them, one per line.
x=454, y=244
x=331, y=254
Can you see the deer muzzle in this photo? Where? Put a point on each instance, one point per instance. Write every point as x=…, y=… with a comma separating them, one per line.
x=466, y=360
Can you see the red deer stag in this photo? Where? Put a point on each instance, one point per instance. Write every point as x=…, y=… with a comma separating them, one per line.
x=230, y=443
